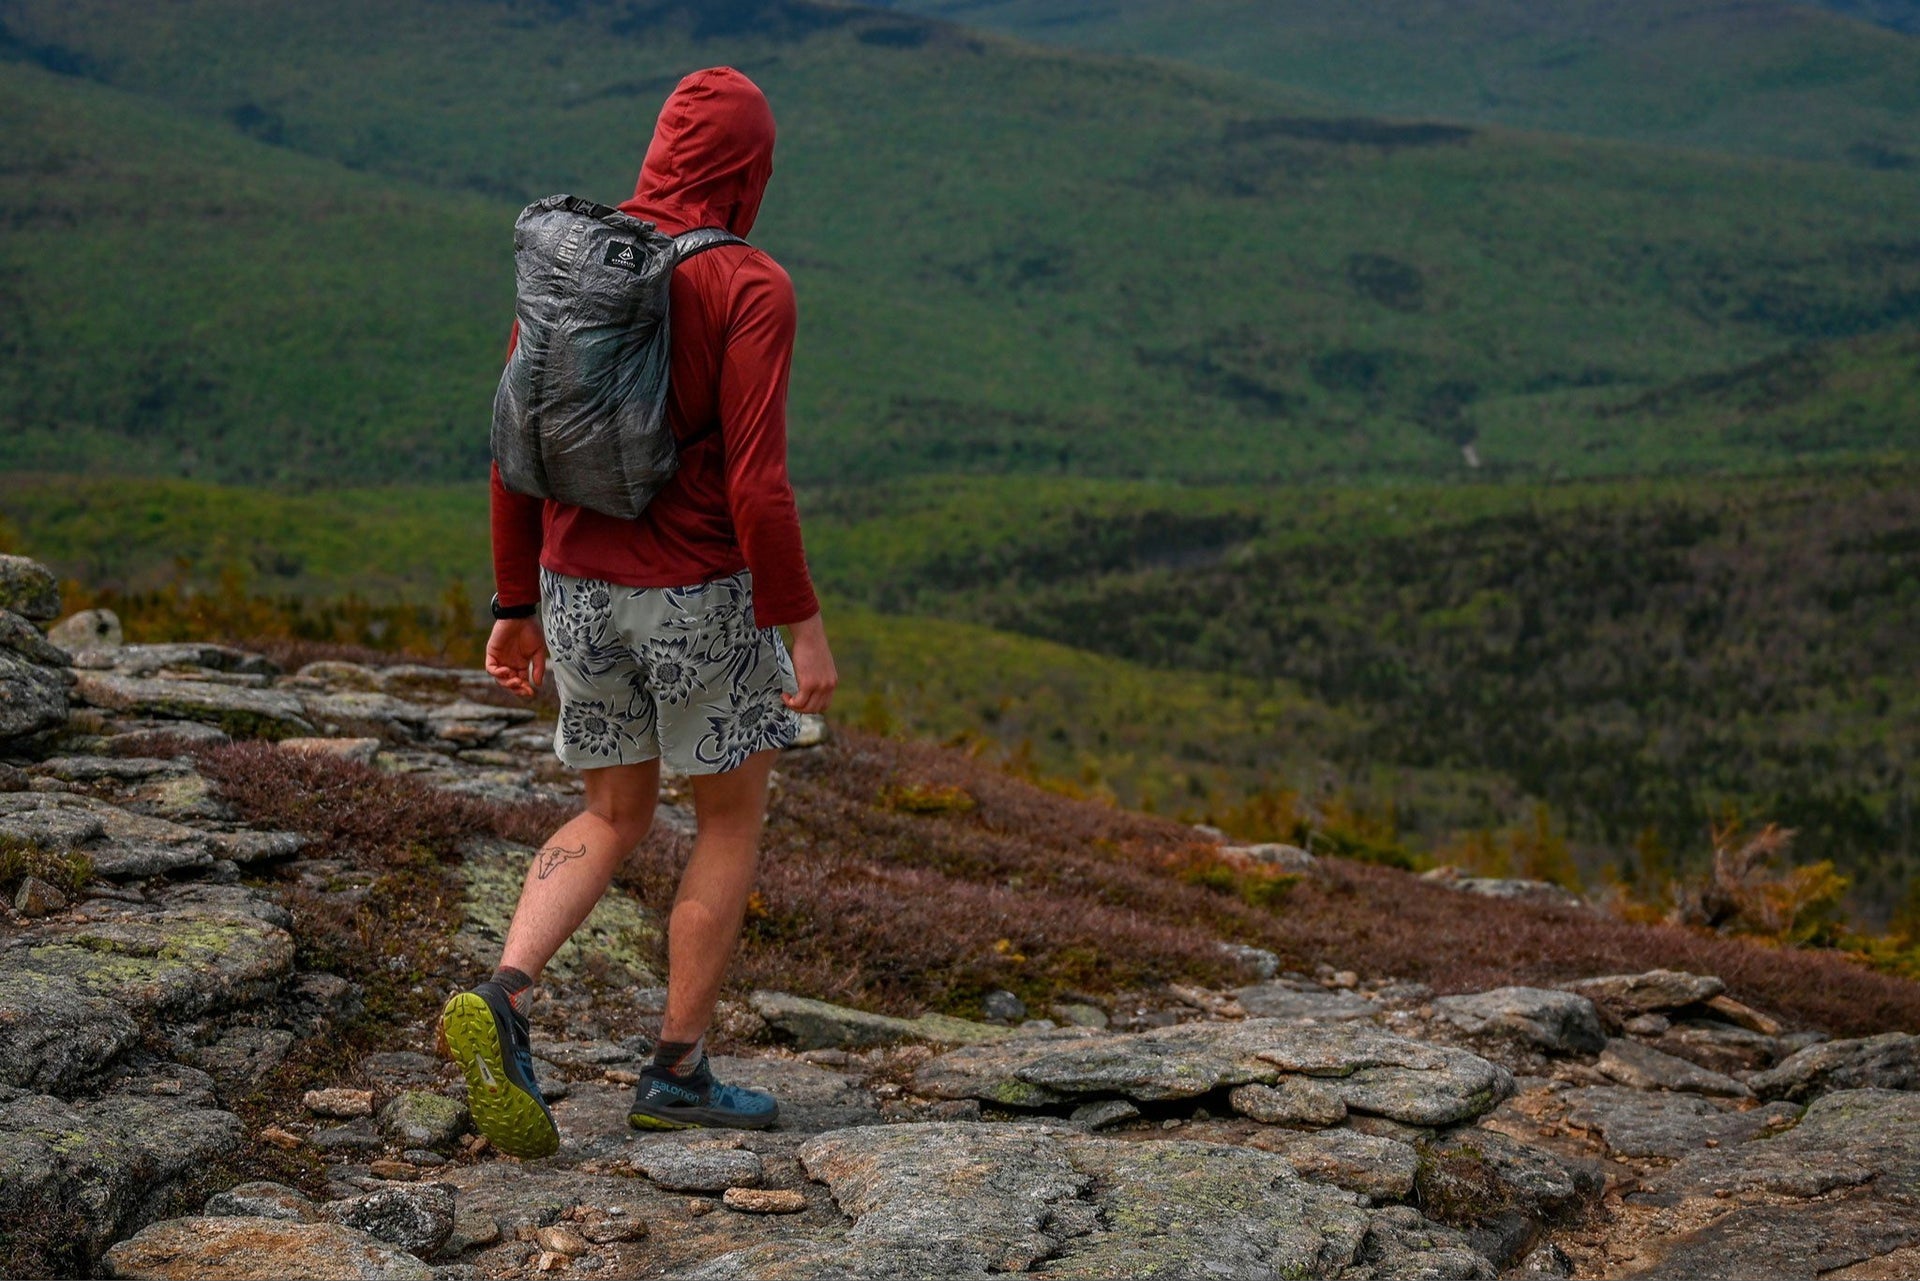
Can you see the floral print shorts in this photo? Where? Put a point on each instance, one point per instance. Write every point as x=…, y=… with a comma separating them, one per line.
x=679, y=673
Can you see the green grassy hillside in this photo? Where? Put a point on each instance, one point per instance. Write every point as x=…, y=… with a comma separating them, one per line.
x=268, y=242
x=1105, y=725
x=1773, y=78
x=1642, y=656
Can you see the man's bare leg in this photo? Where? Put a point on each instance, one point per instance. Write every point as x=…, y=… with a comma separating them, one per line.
x=575, y=866
x=712, y=901
x=484, y=1028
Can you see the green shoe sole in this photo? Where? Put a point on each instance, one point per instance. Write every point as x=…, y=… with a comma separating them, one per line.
x=513, y=1120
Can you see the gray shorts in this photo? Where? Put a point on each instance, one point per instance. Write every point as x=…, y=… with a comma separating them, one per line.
x=679, y=673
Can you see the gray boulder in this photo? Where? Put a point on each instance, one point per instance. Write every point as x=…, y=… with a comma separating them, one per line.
x=1556, y=1022
x=1369, y=1070
x=1890, y=1061
x=24, y=639
x=1294, y=1100
x=184, y=656
x=818, y=1025
x=1284, y=999
x=417, y=1217
x=1649, y=993
x=117, y=841
x=29, y=589
x=424, y=1119
x=1545, y=893
x=1369, y=1164
x=1645, y=1068
x=33, y=698
x=91, y=631
x=1642, y=1123
x=1504, y=1193
x=698, y=1166
x=54, y=1034
x=261, y=1200
x=112, y=1164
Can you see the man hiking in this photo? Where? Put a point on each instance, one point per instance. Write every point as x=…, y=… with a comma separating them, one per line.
x=661, y=635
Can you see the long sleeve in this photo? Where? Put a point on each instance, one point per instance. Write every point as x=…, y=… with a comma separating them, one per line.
x=761, y=318
x=516, y=521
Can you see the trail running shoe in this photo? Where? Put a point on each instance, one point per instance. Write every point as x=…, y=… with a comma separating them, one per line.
x=664, y=1101
x=487, y=1037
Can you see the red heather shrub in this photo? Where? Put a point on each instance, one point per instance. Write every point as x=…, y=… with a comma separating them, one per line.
x=864, y=903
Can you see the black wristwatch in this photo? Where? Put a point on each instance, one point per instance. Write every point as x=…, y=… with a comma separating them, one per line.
x=510, y=611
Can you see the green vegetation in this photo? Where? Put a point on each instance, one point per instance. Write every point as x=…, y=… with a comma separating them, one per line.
x=1641, y=656
x=245, y=244
x=1566, y=680
x=1773, y=78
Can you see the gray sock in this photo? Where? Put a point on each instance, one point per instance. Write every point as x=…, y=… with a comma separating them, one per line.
x=679, y=1058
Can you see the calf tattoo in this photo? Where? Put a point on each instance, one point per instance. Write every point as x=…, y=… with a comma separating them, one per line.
x=552, y=857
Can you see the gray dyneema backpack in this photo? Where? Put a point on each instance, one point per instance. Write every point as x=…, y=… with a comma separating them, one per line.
x=580, y=416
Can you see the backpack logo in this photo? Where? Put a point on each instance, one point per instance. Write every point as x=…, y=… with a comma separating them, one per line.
x=622, y=254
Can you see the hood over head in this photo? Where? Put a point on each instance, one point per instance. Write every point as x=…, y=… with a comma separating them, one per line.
x=711, y=156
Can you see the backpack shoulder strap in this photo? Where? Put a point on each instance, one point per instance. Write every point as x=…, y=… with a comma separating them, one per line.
x=690, y=243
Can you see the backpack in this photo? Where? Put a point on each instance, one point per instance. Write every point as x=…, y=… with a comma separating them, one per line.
x=580, y=415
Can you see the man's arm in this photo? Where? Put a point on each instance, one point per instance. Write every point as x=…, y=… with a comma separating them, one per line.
x=761, y=318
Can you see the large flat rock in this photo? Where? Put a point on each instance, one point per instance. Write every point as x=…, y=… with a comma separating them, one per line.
x=117, y=841
x=241, y=711
x=951, y=1201
x=1371, y=1071
x=817, y=1025
x=1836, y=1191
x=1552, y=1021
x=192, y=951
x=1649, y=993
x=1643, y=1123
x=1890, y=1061
x=247, y=1249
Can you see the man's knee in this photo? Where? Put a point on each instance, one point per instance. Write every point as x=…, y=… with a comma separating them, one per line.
x=624, y=797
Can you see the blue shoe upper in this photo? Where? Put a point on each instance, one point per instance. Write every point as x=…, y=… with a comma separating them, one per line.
x=515, y=1036
x=698, y=1089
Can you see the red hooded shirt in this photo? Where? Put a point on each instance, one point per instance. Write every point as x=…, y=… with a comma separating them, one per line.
x=730, y=506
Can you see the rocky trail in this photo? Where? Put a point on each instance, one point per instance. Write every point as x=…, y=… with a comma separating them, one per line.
x=216, y=1062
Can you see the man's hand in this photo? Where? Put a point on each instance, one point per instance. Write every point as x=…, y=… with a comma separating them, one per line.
x=812, y=667
x=517, y=655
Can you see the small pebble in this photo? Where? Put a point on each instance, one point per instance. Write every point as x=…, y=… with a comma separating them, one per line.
x=398, y=1171
x=561, y=1240
x=697, y=1207
x=340, y=1103
x=549, y=1261
x=764, y=1200
x=281, y=1139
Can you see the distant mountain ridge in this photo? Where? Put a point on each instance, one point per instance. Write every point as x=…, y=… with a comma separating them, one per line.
x=1765, y=78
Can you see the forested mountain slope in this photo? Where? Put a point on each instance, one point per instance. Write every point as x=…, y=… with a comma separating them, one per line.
x=268, y=243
